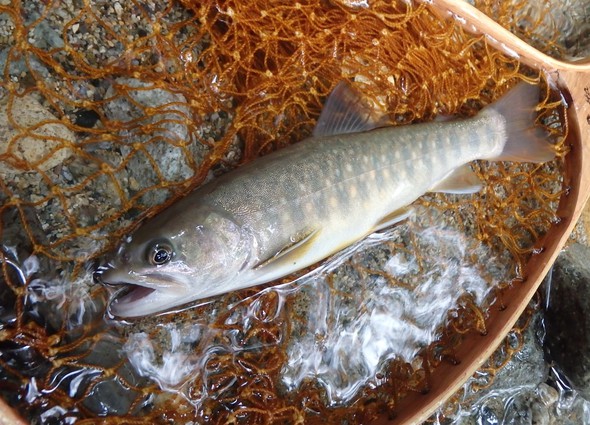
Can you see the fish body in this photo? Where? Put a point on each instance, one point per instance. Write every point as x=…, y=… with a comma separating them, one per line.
x=292, y=208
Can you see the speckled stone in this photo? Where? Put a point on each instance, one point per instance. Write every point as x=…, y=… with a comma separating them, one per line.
x=36, y=145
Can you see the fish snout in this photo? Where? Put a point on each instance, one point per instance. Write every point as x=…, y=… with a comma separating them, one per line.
x=109, y=270
x=105, y=275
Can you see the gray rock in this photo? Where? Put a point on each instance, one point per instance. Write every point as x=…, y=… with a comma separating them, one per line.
x=163, y=134
x=45, y=37
x=568, y=316
x=17, y=66
x=109, y=397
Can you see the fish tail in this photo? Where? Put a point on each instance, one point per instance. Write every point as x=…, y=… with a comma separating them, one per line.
x=525, y=142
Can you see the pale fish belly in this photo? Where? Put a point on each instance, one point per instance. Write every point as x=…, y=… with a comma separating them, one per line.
x=339, y=188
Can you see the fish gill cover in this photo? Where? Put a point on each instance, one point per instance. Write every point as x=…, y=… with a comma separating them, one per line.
x=109, y=110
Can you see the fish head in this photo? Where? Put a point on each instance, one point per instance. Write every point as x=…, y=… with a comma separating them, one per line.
x=177, y=257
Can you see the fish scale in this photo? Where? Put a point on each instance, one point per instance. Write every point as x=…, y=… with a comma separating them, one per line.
x=291, y=209
x=274, y=185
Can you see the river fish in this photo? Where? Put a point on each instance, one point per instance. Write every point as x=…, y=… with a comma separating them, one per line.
x=292, y=208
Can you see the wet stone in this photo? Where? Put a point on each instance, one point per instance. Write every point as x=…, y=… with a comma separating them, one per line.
x=109, y=397
x=86, y=118
x=518, y=393
x=568, y=316
x=487, y=416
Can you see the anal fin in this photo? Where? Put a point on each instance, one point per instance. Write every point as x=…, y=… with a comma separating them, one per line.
x=461, y=180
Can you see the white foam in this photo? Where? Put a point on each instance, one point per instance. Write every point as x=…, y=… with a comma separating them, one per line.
x=32, y=391
x=59, y=293
x=344, y=346
x=30, y=265
x=399, y=265
x=174, y=365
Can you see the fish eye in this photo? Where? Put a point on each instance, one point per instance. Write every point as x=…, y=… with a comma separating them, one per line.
x=159, y=254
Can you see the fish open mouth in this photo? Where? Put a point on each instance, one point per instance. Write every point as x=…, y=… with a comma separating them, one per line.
x=131, y=293
x=137, y=300
x=151, y=294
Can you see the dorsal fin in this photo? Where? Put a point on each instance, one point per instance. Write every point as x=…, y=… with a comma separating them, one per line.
x=344, y=112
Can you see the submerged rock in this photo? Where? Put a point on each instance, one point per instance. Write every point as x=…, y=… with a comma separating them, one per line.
x=45, y=144
x=515, y=393
x=568, y=316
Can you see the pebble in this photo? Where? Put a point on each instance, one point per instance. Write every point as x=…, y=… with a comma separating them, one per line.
x=547, y=394
x=133, y=184
x=118, y=8
x=86, y=118
x=27, y=148
x=6, y=29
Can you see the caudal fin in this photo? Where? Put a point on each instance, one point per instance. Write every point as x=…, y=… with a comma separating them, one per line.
x=525, y=142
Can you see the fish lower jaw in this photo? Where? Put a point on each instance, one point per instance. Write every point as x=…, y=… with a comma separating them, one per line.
x=137, y=300
x=131, y=293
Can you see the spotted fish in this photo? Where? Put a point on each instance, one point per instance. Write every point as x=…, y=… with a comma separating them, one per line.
x=290, y=209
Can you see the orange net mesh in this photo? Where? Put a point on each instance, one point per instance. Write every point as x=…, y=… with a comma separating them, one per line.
x=110, y=110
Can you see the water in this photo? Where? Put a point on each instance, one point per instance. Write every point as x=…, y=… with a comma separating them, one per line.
x=341, y=324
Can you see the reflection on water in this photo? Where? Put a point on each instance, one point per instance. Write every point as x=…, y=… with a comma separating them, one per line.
x=348, y=335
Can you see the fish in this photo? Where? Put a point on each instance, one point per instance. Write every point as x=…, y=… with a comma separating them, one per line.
x=292, y=208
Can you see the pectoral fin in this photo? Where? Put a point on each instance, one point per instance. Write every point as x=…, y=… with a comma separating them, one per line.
x=394, y=217
x=461, y=180
x=290, y=255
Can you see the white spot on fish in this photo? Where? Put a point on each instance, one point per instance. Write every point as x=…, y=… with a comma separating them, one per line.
x=333, y=202
x=348, y=167
x=353, y=192
x=448, y=141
